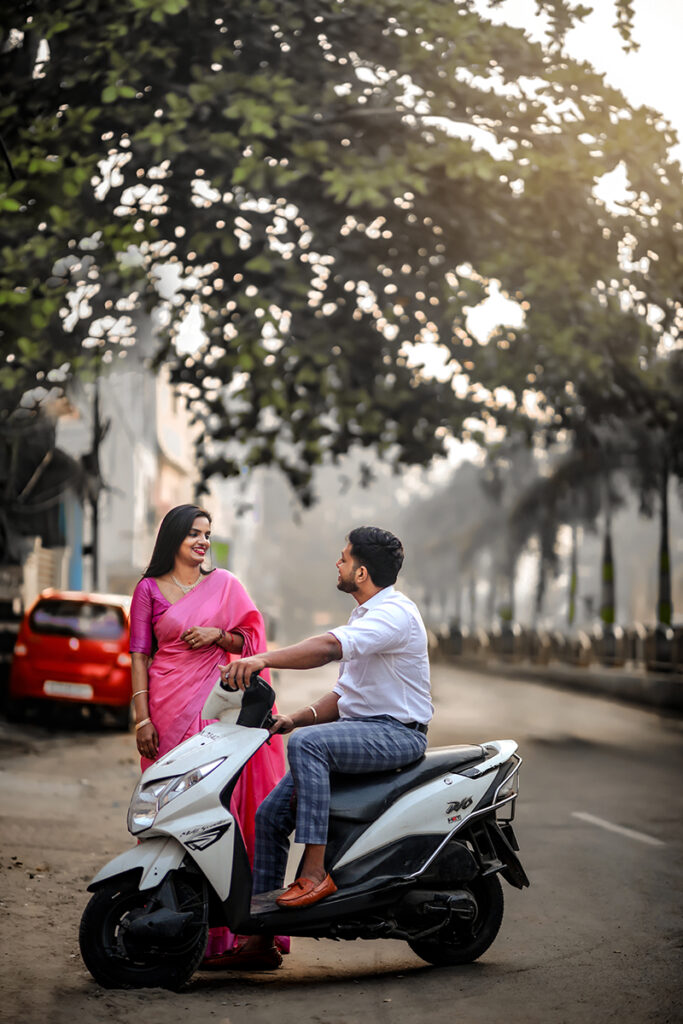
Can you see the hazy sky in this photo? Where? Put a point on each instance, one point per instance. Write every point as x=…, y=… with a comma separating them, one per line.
x=651, y=76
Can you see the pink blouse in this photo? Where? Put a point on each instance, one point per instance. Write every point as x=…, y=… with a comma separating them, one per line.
x=147, y=607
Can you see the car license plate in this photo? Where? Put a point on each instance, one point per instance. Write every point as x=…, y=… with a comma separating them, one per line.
x=78, y=691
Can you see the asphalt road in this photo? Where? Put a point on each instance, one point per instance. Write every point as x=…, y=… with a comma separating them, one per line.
x=596, y=938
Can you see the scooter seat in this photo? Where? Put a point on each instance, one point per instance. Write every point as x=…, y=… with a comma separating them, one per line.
x=365, y=797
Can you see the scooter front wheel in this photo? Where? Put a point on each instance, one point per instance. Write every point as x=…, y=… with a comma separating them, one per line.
x=117, y=961
x=461, y=942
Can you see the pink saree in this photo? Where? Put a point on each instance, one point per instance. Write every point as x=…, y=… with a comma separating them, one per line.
x=180, y=680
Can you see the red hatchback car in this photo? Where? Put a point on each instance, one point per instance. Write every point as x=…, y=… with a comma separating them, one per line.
x=73, y=647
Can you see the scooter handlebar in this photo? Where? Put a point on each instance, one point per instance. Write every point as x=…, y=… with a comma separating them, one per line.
x=257, y=700
x=254, y=678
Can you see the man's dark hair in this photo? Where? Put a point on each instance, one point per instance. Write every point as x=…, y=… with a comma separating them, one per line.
x=379, y=551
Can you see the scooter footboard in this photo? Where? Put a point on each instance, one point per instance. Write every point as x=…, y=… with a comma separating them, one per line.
x=154, y=858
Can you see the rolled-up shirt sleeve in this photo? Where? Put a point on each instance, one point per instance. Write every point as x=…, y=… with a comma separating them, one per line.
x=380, y=630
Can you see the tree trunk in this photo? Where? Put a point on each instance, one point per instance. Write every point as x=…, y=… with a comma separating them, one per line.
x=607, y=610
x=512, y=575
x=95, y=499
x=100, y=428
x=492, y=596
x=457, y=610
x=539, y=596
x=664, y=607
x=473, y=600
x=573, y=577
x=95, y=542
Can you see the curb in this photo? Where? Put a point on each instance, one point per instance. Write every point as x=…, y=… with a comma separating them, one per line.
x=660, y=691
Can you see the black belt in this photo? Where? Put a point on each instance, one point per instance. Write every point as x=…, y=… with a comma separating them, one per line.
x=420, y=726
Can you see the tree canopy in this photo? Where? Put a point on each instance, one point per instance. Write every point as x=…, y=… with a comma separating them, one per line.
x=322, y=187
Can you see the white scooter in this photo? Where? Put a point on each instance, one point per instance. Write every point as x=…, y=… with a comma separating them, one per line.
x=415, y=853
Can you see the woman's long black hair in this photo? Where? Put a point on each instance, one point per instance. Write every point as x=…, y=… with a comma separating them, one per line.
x=174, y=528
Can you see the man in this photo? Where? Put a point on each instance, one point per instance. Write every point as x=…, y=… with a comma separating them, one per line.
x=374, y=719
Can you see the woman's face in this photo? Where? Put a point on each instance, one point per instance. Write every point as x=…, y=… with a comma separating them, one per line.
x=193, y=549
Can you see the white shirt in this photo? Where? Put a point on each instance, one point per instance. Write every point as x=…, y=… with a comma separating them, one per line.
x=385, y=668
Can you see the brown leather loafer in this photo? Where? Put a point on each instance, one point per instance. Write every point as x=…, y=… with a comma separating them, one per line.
x=241, y=959
x=304, y=892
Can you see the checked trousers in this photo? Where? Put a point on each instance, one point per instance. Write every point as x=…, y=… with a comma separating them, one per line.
x=301, y=799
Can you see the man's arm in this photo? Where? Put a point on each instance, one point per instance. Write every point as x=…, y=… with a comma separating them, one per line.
x=321, y=711
x=311, y=653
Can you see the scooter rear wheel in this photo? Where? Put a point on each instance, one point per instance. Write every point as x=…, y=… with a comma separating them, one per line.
x=115, y=963
x=460, y=942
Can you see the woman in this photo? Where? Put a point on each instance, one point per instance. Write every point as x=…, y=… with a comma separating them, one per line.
x=184, y=620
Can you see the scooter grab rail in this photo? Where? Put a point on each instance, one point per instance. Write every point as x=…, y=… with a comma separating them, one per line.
x=493, y=806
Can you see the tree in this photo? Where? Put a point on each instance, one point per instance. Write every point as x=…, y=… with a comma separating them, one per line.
x=469, y=523
x=309, y=173
x=587, y=482
x=34, y=475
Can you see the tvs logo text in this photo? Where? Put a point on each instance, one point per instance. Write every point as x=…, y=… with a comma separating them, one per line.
x=458, y=805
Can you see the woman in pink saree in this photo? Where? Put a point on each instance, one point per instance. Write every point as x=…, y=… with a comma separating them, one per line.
x=184, y=623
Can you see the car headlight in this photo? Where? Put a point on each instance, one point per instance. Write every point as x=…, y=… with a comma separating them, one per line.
x=151, y=797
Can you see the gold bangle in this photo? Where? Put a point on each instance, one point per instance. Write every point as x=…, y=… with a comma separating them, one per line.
x=145, y=721
x=138, y=692
x=315, y=713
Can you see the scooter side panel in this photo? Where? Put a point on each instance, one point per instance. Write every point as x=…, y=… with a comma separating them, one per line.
x=432, y=809
x=211, y=845
x=205, y=828
x=234, y=742
x=196, y=819
x=156, y=857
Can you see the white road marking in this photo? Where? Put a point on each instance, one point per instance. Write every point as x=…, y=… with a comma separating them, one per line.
x=610, y=827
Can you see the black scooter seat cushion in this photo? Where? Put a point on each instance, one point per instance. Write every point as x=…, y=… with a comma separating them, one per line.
x=365, y=797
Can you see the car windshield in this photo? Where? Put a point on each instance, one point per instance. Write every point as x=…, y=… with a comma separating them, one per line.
x=78, y=618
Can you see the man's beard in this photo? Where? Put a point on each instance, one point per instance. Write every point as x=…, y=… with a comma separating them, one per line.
x=347, y=586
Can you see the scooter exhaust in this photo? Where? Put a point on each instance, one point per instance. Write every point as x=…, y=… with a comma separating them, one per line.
x=458, y=902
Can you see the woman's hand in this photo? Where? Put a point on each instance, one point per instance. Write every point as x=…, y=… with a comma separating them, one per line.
x=200, y=636
x=147, y=739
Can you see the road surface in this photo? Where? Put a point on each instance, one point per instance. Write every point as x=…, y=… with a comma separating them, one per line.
x=597, y=938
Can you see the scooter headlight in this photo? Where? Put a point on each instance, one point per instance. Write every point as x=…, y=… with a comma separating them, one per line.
x=187, y=781
x=145, y=804
x=152, y=796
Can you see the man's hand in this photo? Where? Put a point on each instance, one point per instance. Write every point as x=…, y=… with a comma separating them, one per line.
x=282, y=724
x=237, y=675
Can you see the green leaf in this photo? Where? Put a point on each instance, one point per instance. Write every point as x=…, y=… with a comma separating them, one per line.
x=228, y=244
x=259, y=264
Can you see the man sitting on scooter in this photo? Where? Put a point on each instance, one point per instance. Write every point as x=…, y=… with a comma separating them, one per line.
x=374, y=719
